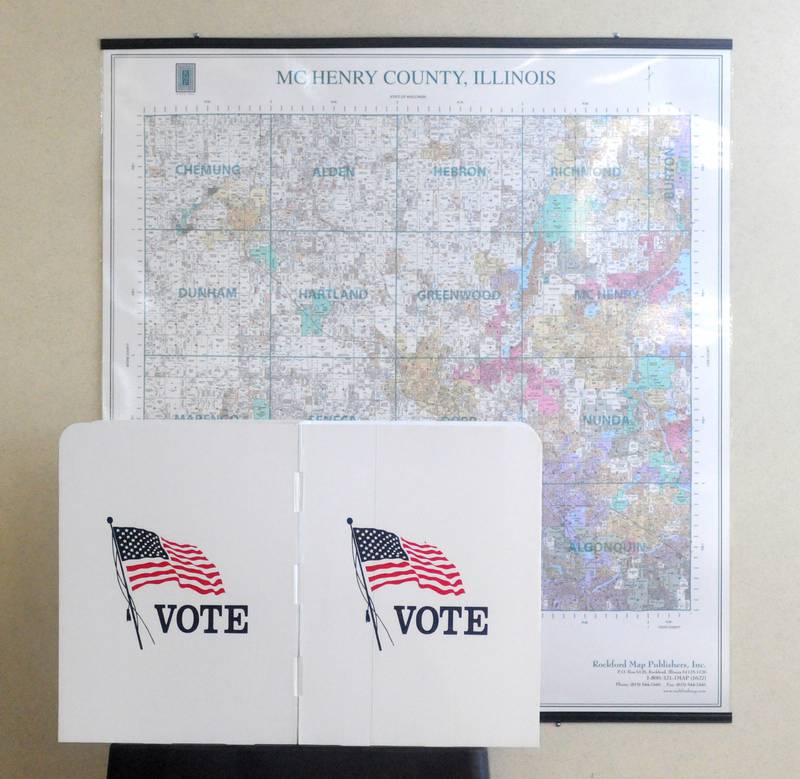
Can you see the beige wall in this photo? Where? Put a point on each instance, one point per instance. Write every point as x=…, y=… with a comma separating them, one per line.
x=50, y=276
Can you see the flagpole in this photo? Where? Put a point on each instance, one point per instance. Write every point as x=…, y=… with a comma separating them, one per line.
x=118, y=558
x=370, y=605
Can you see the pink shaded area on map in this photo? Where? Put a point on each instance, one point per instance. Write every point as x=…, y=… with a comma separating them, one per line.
x=659, y=264
x=487, y=374
x=661, y=290
x=677, y=434
x=494, y=326
x=544, y=392
x=627, y=280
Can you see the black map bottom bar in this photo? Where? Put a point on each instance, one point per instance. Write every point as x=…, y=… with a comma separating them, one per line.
x=634, y=716
x=416, y=43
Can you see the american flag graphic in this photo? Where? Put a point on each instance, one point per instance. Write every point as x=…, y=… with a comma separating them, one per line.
x=151, y=559
x=389, y=559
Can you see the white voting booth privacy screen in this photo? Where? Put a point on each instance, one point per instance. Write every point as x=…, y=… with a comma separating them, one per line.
x=284, y=582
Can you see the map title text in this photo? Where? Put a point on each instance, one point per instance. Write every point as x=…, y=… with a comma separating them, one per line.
x=418, y=78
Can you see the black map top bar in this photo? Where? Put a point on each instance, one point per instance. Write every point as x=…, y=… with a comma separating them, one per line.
x=415, y=43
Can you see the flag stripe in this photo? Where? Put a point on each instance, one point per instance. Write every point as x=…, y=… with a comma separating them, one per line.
x=137, y=566
x=192, y=563
x=427, y=557
x=183, y=552
x=157, y=570
x=388, y=574
x=200, y=571
x=184, y=585
x=145, y=567
x=187, y=550
x=422, y=585
x=421, y=561
x=419, y=546
x=405, y=566
x=166, y=564
x=169, y=571
x=185, y=555
x=427, y=577
x=202, y=567
x=382, y=566
x=416, y=572
x=423, y=552
x=439, y=572
x=179, y=546
x=395, y=569
x=181, y=576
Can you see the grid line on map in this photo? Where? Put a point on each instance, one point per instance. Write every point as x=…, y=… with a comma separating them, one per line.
x=493, y=231
x=521, y=265
x=271, y=263
x=144, y=279
x=396, y=248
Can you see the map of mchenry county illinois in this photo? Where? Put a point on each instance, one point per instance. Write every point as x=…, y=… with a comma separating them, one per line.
x=453, y=268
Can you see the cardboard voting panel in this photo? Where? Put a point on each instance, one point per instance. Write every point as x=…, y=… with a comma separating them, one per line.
x=432, y=636
x=219, y=667
x=316, y=583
